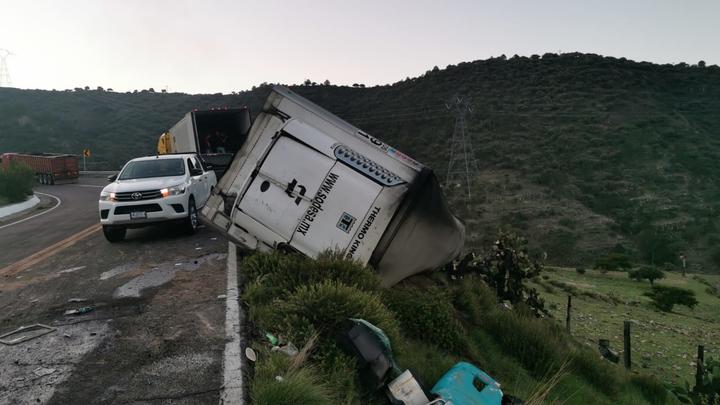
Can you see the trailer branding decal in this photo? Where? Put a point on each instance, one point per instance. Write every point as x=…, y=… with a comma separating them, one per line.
x=316, y=205
x=363, y=231
x=346, y=222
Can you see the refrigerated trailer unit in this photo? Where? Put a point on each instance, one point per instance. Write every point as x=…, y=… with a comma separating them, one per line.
x=215, y=135
x=307, y=181
x=49, y=168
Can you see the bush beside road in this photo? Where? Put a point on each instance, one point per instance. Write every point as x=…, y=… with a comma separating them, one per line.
x=16, y=183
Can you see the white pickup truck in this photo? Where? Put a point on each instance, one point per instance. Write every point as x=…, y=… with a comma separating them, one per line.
x=154, y=189
x=307, y=181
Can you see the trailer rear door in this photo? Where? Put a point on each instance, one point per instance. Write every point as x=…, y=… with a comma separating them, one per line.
x=309, y=199
x=282, y=189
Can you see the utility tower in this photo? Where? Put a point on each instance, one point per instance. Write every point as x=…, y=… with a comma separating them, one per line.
x=4, y=72
x=462, y=166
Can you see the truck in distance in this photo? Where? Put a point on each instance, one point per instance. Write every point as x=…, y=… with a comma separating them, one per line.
x=49, y=168
x=307, y=181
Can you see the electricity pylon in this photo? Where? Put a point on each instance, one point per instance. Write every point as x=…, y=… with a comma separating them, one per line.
x=5, y=80
x=462, y=167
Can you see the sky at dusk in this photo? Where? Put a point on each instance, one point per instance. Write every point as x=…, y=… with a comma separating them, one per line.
x=223, y=46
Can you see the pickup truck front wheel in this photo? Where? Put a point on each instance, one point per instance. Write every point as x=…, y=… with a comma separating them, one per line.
x=192, y=220
x=114, y=233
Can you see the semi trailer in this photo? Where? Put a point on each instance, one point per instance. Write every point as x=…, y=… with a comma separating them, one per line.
x=49, y=168
x=304, y=180
x=215, y=135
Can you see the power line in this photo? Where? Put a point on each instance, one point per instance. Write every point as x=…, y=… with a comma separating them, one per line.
x=5, y=80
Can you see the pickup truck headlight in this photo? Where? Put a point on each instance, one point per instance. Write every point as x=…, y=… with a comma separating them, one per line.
x=174, y=190
x=107, y=196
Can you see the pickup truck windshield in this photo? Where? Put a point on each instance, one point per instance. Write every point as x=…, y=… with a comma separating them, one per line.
x=143, y=169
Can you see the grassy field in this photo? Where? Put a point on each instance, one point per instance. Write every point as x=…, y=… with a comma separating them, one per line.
x=663, y=344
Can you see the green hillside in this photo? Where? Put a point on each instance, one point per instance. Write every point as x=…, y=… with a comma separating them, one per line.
x=585, y=155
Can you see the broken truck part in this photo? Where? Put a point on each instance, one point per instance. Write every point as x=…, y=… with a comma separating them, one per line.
x=307, y=181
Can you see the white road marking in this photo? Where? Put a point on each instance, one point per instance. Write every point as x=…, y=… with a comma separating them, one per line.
x=36, y=215
x=86, y=185
x=232, y=392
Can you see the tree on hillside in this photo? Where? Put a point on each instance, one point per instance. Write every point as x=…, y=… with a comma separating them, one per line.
x=307, y=82
x=701, y=64
x=326, y=82
x=613, y=262
x=657, y=247
x=665, y=297
x=649, y=273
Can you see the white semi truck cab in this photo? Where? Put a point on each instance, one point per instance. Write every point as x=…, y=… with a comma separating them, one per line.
x=307, y=181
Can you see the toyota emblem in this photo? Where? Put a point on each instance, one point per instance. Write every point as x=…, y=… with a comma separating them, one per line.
x=136, y=196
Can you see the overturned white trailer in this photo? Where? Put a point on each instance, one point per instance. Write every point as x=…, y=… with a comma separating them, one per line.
x=308, y=181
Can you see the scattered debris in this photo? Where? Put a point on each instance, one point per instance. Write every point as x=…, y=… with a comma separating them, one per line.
x=72, y=269
x=125, y=268
x=279, y=378
x=606, y=352
x=221, y=296
x=42, y=371
x=198, y=248
x=77, y=300
x=272, y=339
x=67, y=335
x=79, y=311
x=250, y=354
x=213, y=238
x=372, y=348
x=178, y=264
x=405, y=389
x=25, y=333
x=288, y=349
x=34, y=301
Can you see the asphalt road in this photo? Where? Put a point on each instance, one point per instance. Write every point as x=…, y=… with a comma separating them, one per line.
x=77, y=211
x=155, y=333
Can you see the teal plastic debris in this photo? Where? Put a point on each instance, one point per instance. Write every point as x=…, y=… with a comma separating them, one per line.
x=467, y=384
x=372, y=348
x=272, y=339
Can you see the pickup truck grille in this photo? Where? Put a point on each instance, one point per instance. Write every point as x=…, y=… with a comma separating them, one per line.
x=126, y=209
x=143, y=195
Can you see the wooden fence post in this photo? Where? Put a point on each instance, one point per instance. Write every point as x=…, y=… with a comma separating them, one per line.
x=567, y=317
x=626, y=341
x=699, y=367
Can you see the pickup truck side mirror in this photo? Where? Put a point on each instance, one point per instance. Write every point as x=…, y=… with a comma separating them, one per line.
x=112, y=177
x=196, y=172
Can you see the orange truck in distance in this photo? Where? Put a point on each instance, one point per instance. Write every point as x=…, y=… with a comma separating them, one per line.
x=49, y=168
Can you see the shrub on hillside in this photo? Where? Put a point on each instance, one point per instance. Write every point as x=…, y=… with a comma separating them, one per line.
x=580, y=270
x=507, y=267
x=613, y=262
x=16, y=182
x=428, y=315
x=666, y=297
x=323, y=308
x=474, y=299
x=649, y=273
x=538, y=344
x=271, y=275
x=652, y=389
x=603, y=375
x=296, y=386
